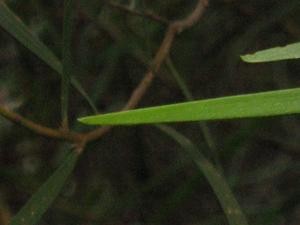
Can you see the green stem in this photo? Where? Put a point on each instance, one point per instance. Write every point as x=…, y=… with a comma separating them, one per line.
x=67, y=59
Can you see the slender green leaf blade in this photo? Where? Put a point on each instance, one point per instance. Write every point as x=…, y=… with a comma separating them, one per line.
x=208, y=137
x=179, y=79
x=76, y=84
x=230, y=206
x=67, y=58
x=33, y=210
x=269, y=103
x=291, y=51
x=15, y=27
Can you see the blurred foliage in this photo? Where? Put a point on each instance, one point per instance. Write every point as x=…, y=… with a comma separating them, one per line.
x=134, y=174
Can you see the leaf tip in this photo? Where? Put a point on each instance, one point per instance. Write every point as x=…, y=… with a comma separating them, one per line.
x=88, y=120
x=248, y=58
x=83, y=120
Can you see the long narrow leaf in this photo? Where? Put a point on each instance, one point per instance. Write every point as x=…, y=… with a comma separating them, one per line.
x=76, y=84
x=31, y=213
x=216, y=180
x=67, y=58
x=208, y=137
x=15, y=27
x=291, y=51
x=240, y=106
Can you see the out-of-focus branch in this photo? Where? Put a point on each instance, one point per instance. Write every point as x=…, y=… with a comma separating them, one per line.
x=81, y=139
x=162, y=53
x=130, y=11
x=39, y=129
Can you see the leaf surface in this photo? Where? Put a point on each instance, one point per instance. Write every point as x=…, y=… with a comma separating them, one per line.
x=69, y=11
x=291, y=51
x=38, y=204
x=262, y=104
x=218, y=183
x=15, y=27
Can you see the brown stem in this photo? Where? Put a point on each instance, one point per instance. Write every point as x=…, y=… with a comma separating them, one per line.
x=162, y=53
x=129, y=11
x=39, y=129
x=81, y=139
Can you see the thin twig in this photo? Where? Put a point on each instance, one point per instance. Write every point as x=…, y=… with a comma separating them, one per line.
x=39, y=129
x=163, y=51
x=81, y=139
x=146, y=14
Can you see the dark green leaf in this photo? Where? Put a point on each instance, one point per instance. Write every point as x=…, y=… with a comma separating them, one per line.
x=67, y=58
x=216, y=180
x=33, y=210
x=15, y=27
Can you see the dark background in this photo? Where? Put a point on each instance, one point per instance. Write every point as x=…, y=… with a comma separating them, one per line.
x=137, y=174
